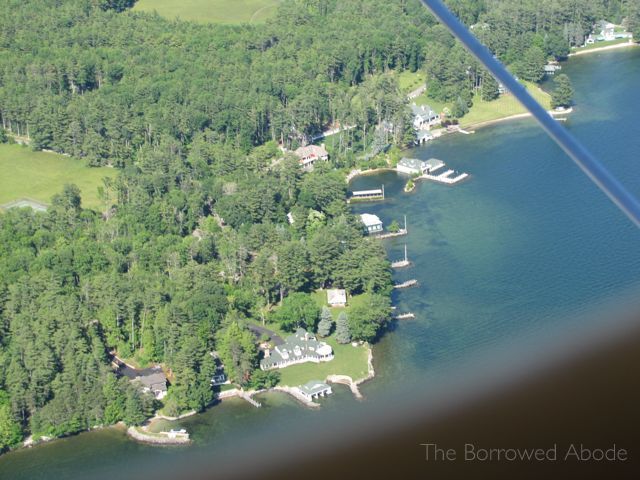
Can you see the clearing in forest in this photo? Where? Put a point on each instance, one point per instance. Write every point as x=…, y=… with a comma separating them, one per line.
x=212, y=11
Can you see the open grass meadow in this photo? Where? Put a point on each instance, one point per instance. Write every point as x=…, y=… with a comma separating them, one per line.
x=348, y=360
x=212, y=11
x=504, y=106
x=40, y=175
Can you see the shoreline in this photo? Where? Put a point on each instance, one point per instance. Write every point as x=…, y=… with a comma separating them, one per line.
x=602, y=49
x=553, y=113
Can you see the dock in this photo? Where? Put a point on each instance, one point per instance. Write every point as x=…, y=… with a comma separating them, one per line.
x=405, y=316
x=250, y=399
x=402, y=263
x=409, y=283
x=445, y=177
x=368, y=195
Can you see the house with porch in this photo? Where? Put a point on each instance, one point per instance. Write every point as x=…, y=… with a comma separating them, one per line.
x=300, y=347
x=310, y=154
x=424, y=117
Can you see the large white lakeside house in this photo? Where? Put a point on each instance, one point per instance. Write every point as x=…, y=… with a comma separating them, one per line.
x=300, y=347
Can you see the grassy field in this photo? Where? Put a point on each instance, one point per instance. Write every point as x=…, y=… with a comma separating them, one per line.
x=593, y=46
x=504, y=106
x=39, y=175
x=409, y=81
x=212, y=11
x=348, y=360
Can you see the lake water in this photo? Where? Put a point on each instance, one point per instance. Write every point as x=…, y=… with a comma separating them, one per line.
x=527, y=244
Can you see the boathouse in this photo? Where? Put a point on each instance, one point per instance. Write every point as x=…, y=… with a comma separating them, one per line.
x=314, y=389
x=371, y=222
x=410, y=166
x=377, y=193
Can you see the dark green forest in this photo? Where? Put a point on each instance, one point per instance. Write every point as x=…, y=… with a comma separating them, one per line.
x=193, y=240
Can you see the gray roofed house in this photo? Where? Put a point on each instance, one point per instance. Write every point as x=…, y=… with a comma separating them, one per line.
x=424, y=116
x=300, y=347
x=153, y=381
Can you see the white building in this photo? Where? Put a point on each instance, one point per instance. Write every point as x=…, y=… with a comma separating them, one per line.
x=337, y=297
x=372, y=223
x=424, y=116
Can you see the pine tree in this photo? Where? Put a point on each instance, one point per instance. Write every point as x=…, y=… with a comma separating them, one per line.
x=563, y=93
x=343, y=334
x=490, y=88
x=326, y=322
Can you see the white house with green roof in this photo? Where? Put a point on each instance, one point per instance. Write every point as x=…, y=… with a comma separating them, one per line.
x=300, y=347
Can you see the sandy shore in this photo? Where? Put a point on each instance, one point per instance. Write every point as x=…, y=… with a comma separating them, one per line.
x=602, y=49
x=553, y=113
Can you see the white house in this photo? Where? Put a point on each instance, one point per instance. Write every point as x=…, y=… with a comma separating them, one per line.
x=301, y=347
x=413, y=166
x=337, y=297
x=424, y=116
x=310, y=154
x=372, y=223
x=607, y=30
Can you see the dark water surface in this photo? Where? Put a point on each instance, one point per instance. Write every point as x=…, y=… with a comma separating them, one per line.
x=526, y=244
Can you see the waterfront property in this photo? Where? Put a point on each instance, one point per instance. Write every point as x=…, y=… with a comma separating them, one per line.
x=372, y=223
x=414, y=166
x=337, y=297
x=300, y=347
x=314, y=389
x=374, y=194
x=424, y=117
x=153, y=381
x=310, y=154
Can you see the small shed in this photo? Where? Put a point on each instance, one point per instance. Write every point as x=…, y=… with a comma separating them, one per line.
x=337, y=297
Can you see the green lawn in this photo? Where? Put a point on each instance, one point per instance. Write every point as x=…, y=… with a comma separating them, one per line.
x=409, y=81
x=39, y=175
x=504, y=106
x=212, y=11
x=599, y=45
x=348, y=360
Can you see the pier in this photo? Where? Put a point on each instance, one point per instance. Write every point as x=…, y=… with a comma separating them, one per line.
x=409, y=283
x=401, y=263
x=364, y=195
x=445, y=177
x=250, y=399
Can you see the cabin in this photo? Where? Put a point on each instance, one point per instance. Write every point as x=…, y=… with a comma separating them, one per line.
x=310, y=154
x=606, y=29
x=300, y=347
x=337, y=297
x=372, y=223
x=314, y=389
x=153, y=381
x=424, y=117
